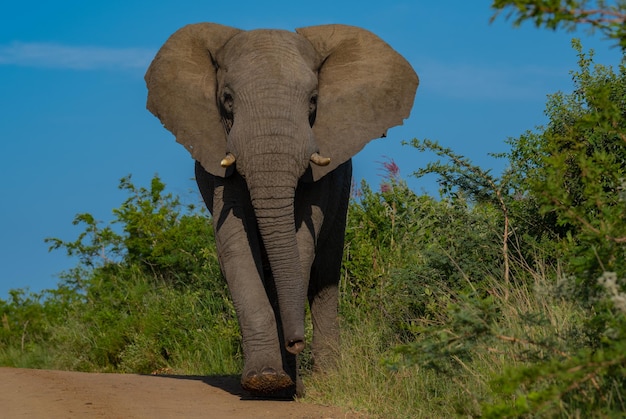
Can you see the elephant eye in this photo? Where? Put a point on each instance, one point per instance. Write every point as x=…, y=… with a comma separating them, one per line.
x=313, y=103
x=312, y=108
x=227, y=102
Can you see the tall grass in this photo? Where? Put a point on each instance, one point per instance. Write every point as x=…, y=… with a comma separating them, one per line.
x=373, y=378
x=364, y=383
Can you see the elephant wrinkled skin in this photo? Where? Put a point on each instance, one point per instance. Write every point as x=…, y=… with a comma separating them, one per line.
x=272, y=119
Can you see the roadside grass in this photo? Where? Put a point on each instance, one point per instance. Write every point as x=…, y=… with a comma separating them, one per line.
x=138, y=324
x=363, y=382
x=36, y=357
x=373, y=377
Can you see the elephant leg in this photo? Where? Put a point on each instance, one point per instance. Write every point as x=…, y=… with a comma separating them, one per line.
x=323, y=302
x=239, y=252
x=323, y=291
x=306, y=237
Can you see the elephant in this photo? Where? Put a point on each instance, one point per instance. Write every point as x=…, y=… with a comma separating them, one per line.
x=272, y=119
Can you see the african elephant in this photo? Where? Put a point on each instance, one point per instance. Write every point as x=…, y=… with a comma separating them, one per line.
x=272, y=119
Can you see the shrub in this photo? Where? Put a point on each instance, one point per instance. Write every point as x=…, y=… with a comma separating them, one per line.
x=568, y=177
x=146, y=295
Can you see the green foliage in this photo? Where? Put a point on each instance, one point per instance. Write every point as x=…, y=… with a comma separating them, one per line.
x=132, y=323
x=414, y=248
x=446, y=348
x=588, y=381
x=570, y=377
x=581, y=168
x=147, y=295
x=607, y=17
x=159, y=235
x=28, y=321
x=569, y=176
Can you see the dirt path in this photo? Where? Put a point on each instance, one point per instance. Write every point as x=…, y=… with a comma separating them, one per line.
x=27, y=393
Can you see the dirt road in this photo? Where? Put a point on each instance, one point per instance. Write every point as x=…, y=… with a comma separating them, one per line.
x=27, y=393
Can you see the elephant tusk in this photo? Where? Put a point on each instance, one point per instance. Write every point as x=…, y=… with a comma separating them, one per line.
x=228, y=160
x=320, y=160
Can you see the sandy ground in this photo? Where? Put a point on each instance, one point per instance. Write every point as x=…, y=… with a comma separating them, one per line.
x=27, y=393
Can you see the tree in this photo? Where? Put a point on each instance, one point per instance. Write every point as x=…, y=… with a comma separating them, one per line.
x=578, y=167
x=146, y=295
x=159, y=235
x=564, y=193
x=607, y=17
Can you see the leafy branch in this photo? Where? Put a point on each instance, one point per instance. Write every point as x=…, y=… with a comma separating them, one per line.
x=552, y=14
x=461, y=174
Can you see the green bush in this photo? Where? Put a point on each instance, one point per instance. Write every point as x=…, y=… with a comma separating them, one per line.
x=167, y=240
x=561, y=205
x=130, y=324
x=146, y=295
x=28, y=325
x=402, y=248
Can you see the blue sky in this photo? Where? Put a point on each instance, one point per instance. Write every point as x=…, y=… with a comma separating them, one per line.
x=72, y=100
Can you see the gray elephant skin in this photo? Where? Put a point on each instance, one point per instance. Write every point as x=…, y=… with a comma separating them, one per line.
x=272, y=119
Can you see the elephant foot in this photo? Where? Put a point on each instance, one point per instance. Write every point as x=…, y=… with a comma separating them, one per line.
x=268, y=382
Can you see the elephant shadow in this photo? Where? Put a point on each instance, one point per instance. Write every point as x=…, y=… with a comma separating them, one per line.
x=228, y=383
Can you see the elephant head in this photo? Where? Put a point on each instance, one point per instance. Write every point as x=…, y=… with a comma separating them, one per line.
x=276, y=105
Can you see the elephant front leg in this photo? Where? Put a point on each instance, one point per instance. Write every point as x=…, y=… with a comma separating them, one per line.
x=323, y=291
x=324, y=302
x=240, y=258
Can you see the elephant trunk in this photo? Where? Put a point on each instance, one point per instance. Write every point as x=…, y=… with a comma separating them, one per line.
x=272, y=193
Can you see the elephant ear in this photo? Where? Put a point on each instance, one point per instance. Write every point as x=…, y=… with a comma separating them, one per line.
x=365, y=88
x=182, y=83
